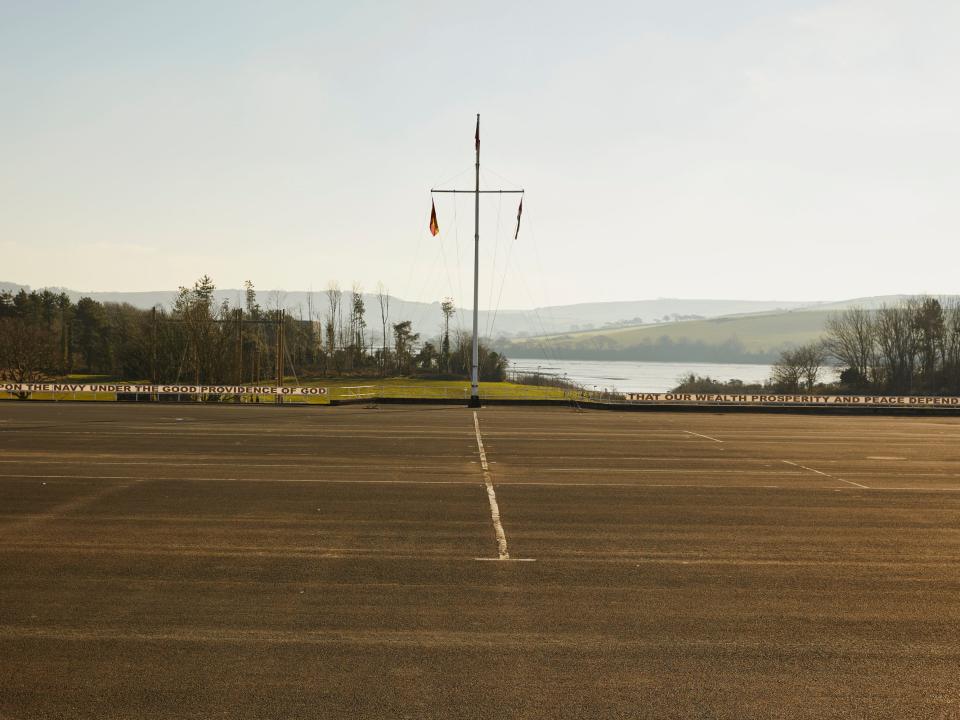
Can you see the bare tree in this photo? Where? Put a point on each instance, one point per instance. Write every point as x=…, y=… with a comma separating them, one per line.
x=810, y=358
x=786, y=374
x=278, y=301
x=404, y=339
x=250, y=299
x=851, y=339
x=448, y=309
x=255, y=347
x=206, y=353
x=330, y=325
x=897, y=342
x=799, y=368
x=930, y=333
x=314, y=331
x=28, y=351
x=951, y=347
x=358, y=323
x=384, y=299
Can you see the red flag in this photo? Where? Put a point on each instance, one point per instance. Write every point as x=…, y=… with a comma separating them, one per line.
x=477, y=136
x=434, y=226
x=519, y=213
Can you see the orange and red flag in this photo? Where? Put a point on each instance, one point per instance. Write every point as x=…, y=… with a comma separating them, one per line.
x=434, y=226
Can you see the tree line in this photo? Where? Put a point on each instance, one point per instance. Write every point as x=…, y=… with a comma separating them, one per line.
x=44, y=334
x=911, y=348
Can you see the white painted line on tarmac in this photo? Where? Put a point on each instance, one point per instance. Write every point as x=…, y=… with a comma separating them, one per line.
x=652, y=471
x=507, y=559
x=58, y=511
x=689, y=432
x=723, y=486
x=827, y=475
x=920, y=489
x=491, y=495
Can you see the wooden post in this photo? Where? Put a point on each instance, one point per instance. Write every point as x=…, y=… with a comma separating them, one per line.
x=280, y=356
x=153, y=348
x=239, y=346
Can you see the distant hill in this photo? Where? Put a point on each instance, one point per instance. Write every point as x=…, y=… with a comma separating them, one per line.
x=868, y=303
x=737, y=338
x=751, y=337
x=589, y=316
x=12, y=287
x=668, y=329
x=426, y=316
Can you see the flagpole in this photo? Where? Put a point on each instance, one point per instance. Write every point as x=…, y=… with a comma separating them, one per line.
x=475, y=372
x=435, y=230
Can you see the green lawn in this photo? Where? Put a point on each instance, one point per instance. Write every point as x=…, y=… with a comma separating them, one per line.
x=362, y=388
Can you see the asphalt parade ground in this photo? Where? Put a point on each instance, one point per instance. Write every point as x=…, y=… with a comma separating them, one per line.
x=187, y=561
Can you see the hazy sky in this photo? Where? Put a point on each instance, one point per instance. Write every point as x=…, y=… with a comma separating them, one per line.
x=754, y=149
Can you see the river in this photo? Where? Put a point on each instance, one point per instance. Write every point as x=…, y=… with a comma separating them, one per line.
x=628, y=376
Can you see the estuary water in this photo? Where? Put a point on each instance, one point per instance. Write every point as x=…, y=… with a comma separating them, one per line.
x=628, y=376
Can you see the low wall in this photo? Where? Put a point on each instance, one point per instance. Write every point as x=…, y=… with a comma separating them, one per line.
x=697, y=402
x=762, y=400
x=146, y=389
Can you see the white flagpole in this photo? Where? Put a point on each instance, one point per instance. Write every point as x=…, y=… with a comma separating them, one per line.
x=475, y=372
x=475, y=369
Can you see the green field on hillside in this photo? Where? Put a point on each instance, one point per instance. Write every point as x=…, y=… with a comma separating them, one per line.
x=760, y=336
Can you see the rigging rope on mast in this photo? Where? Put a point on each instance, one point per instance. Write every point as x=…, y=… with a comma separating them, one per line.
x=493, y=270
x=426, y=287
x=456, y=236
x=419, y=234
x=539, y=266
x=503, y=281
x=491, y=309
x=541, y=341
x=446, y=268
x=426, y=279
x=456, y=230
x=416, y=254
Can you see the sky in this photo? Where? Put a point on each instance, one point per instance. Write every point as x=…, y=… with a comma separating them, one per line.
x=750, y=149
